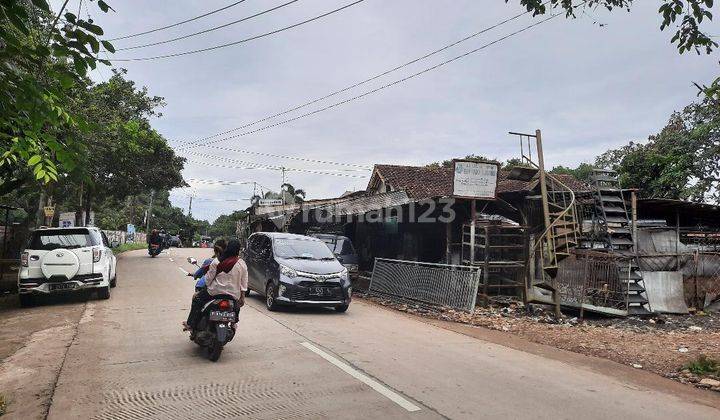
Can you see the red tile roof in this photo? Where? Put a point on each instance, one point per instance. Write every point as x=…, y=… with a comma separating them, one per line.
x=422, y=182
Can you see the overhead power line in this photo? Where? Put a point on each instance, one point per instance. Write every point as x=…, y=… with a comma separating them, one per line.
x=385, y=86
x=295, y=158
x=312, y=171
x=362, y=82
x=178, y=23
x=224, y=182
x=274, y=167
x=215, y=28
x=230, y=44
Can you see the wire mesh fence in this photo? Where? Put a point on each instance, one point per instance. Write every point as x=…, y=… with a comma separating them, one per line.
x=455, y=286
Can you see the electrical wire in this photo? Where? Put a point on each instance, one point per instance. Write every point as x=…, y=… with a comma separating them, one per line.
x=178, y=23
x=134, y=47
x=295, y=158
x=369, y=79
x=278, y=168
x=388, y=85
x=312, y=171
x=252, y=38
x=224, y=182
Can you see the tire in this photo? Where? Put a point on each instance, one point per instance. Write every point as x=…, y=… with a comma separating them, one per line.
x=113, y=282
x=214, y=351
x=104, y=293
x=270, y=301
x=342, y=308
x=27, y=300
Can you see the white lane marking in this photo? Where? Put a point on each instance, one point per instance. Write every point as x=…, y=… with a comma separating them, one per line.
x=372, y=383
x=183, y=270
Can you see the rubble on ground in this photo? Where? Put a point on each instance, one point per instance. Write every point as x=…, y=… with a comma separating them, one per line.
x=664, y=344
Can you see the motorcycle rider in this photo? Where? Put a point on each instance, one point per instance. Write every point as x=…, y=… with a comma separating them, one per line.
x=153, y=239
x=227, y=275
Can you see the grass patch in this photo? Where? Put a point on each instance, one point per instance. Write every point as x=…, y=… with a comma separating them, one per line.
x=3, y=405
x=129, y=247
x=703, y=365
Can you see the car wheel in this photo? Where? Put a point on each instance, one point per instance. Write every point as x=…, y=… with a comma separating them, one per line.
x=104, y=292
x=270, y=301
x=342, y=308
x=113, y=282
x=27, y=300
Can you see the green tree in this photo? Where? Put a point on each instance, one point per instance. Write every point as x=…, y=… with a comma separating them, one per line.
x=449, y=162
x=122, y=155
x=226, y=225
x=582, y=172
x=292, y=195
x=681, y=161
x=41, y=59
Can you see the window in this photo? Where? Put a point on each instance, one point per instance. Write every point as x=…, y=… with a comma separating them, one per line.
x=302, y=249
x=264, y=247
x=49, y=240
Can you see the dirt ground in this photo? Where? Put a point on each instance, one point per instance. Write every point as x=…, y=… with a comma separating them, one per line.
x=663, y=345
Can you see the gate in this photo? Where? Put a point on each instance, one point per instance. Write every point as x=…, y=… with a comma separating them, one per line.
x=455, y=286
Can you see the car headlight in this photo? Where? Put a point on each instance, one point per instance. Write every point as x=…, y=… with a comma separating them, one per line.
x=287, y=271
x=344, y=274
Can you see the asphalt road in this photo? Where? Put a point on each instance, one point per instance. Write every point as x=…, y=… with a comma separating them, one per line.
x=128, y=358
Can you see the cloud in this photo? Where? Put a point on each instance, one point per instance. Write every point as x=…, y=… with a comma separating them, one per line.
x=589, y=88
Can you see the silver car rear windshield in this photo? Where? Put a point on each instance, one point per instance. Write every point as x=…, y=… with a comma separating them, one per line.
x=49, y=240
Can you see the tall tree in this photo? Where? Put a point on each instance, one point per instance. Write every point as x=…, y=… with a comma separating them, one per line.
x=41, y=58
x=681, y=161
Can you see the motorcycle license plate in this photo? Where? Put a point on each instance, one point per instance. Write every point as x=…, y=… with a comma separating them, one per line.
x=225, y=316
x=62, y=286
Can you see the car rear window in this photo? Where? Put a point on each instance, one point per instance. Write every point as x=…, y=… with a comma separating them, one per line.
x=67, y=238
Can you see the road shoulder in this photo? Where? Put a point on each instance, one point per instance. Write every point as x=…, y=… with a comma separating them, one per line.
x=636, y=377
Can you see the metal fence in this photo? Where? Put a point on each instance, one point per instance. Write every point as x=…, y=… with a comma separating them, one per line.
x=455, y=286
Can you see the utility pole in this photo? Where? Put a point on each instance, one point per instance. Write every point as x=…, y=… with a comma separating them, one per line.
x=190, y=207
x=282, y=186
x=149, y=211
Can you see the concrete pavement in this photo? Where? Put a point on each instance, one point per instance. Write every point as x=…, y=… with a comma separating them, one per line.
x=128, y=358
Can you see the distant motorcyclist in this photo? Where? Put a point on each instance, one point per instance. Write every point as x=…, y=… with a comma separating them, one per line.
x=154, y=241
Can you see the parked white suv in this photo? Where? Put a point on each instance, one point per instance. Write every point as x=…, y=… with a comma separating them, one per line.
x=66, y=259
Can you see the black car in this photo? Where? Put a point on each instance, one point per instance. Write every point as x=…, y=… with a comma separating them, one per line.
x=175, y=241
x=296, y=270
x=343, y=249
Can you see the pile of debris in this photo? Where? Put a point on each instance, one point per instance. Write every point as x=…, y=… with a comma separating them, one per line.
x=664, y=344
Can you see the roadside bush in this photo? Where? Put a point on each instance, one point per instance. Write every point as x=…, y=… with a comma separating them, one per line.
x=703, y=365
x=128, y=247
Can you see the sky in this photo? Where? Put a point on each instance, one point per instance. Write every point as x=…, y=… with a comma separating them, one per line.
x=588, y=87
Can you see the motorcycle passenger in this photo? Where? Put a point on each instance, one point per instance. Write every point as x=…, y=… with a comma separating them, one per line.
x=227, y=275
x=199, y=274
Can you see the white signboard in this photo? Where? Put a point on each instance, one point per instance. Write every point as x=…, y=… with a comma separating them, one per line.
x=67, y=219
x=270, y=202
x=474, y=179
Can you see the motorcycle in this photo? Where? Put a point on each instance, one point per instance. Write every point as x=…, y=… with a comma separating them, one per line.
x=154, y=250
x=217, y=323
